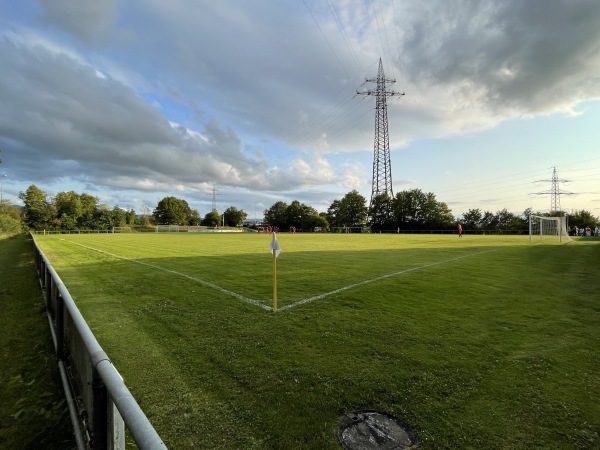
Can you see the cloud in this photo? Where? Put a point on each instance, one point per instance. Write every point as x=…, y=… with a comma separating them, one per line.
x=511, y=58
x=101, y=131
x=87, y=20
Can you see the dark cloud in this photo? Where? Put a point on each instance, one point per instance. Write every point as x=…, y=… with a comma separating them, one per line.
x=515, y=57
x=86, y=20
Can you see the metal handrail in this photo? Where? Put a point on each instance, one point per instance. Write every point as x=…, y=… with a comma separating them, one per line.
x=142, y=431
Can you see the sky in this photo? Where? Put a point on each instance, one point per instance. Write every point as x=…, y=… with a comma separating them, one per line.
x=248, y=102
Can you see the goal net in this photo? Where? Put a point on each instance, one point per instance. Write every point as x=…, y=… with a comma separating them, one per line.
x=541, y=227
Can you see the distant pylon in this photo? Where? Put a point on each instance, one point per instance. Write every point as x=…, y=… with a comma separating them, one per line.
x=214, y=193
x=554, y=191
x=382, y=165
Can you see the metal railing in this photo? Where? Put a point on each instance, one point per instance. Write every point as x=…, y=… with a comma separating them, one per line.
x=100, y=405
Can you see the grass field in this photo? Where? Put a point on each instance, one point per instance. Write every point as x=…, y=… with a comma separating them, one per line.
x=479, y=342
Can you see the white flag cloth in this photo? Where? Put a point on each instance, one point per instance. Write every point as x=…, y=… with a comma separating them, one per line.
x=275, y=246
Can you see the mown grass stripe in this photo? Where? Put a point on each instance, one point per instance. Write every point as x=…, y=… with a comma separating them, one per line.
x=373, y=280
x=189, y=277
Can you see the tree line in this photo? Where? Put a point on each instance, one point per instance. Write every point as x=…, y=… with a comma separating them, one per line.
x=73, y=211
x=408, y=210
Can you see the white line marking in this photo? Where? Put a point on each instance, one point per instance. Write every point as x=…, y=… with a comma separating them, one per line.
x=373, y=280
x=189, y=277
x=291, y=305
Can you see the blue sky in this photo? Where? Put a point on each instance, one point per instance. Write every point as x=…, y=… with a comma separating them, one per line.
x=132, y=101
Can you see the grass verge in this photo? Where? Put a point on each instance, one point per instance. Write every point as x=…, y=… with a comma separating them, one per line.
x=33, y=413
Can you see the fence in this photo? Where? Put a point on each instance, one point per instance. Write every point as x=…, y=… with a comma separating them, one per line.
x=453, y=231
x=100, y=405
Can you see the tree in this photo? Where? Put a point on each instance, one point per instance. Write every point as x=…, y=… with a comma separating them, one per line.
x=212, y=219
x=276, y=215
x=194, y=219
x=293, y=215
x=350, y=211
x=68, y=210
x=419, y=210
x=332, y=213
x=488, y=220
x=119, y=217
x=103, y=218
x=302, y=216
x=472, y=219
x=130, y=217
x=146, y=216
x=582, y=219
x=172, y=211
x=313, y=221
x=408, y=207
x=504, y=219
x=234, y=217
x=381, y=212
x=89, y=204
x=37, y=212
x=444, y=217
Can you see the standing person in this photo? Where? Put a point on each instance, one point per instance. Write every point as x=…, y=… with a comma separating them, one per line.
x=459, y=230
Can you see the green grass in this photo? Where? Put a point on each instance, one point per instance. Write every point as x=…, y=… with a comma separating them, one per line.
x=33, y=413
x=479, y=342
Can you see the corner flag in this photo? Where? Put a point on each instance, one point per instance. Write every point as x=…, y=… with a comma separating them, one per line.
x=275, y=245
x=275, y=250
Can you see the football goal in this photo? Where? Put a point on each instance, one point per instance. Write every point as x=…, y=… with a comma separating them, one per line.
x=541, y=227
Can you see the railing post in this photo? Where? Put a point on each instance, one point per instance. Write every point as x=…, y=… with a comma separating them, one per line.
x=99, y=413
x=60, y=327
x=48, y=286
x=116, y=428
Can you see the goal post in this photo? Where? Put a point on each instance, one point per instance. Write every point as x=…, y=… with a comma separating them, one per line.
x=542, y=227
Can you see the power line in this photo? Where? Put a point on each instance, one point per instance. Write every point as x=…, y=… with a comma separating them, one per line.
x=325, y=37
x=340, y=26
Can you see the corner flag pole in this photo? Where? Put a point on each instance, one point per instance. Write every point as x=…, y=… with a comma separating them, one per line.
x=274, y=247
x=274, y=280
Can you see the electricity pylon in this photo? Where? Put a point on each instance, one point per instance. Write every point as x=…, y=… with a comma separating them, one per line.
x=214, y=193
x=554, y=191
x=382, y=165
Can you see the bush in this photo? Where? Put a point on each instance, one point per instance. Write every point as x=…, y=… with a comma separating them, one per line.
x=9, y=225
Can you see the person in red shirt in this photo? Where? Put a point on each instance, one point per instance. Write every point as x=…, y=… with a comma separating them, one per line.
x=459, y=230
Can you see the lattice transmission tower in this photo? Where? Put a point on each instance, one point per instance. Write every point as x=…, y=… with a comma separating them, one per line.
x=214, y=193
x=382, y=165
x=554, y=191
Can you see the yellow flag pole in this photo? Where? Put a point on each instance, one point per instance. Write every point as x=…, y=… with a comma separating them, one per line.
x=274, y=280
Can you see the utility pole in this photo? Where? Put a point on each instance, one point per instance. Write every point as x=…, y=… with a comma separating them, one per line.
x=554, y=191
x=382, y=166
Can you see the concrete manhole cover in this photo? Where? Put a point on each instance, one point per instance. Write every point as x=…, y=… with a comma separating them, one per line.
x=374, y=430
